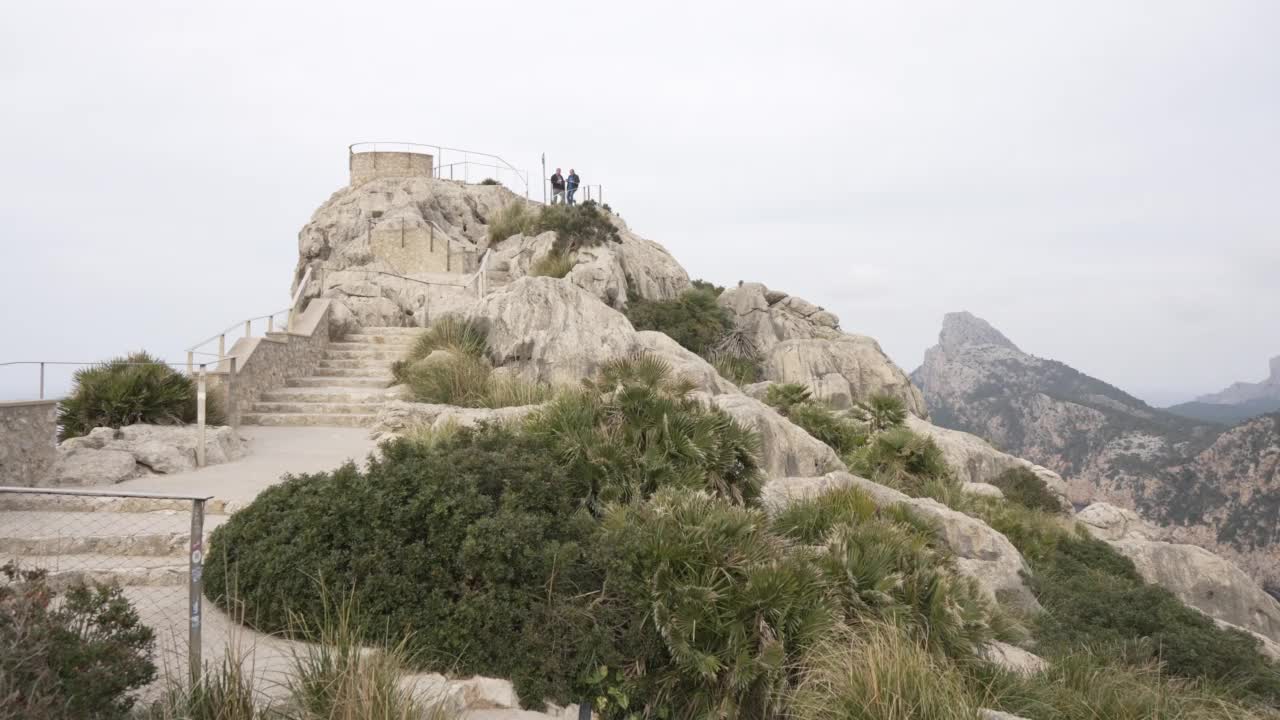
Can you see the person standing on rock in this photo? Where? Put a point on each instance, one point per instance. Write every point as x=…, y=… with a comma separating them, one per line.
x=557, y=187
x=571, y=184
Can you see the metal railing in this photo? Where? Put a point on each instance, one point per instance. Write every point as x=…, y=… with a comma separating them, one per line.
x=78, y=537
x=202, y=377
x=247, y=324
x=590, y=193
x=445, y=157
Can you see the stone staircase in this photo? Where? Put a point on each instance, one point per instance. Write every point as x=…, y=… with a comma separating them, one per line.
x=347, y=388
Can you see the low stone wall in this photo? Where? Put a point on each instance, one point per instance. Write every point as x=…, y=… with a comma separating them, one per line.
x=264, y=363
x=28, y=442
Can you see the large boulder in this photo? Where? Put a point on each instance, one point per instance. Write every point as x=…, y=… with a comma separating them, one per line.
x=786, y=450
x=83, y=466
x=1012, y=658
x=1205, y=581
x=981, y=552
x=768, y=317
x=974, y=460
x=841, y=370
x=397, y=416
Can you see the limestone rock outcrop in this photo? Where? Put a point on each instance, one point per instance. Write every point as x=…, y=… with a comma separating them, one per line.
x=1199, y=578
x=107, y=456
x=800, y=342
x=398, y=416
x=1012, y=658
x=974, y=460
x=786, y=449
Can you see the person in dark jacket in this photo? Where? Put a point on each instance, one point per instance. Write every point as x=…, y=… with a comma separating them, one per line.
x=571, y=184
x=557, y=187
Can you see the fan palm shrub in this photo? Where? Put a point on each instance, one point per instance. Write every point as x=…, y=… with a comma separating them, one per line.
x=796, y=403
x=882, y=412
x=449, y=364
x=901, y=459
x=137, y=388
x=636, y=429
x=554, y=264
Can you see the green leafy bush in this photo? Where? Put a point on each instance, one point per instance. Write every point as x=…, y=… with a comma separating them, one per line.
x=694, y=319
x=795, y=402
x=737, y=370
x=471, y=549
x=449, y=364
x=575, y=226
x=901, y=459
x=137, y=388
x=554, y=264
x=1020, y=485
x=489, y=181
x=718, y=611
x=68, y=655
x=882, y=412
x=637, y=429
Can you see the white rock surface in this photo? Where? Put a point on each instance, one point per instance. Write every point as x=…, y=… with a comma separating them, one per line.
x=841, y=370
x=975, y=460
x=1012, y=658
x=83, y=466
x=982, y=490
x=397, y=416
x=780, y=493
x=107, y=456
x=986, y=714
x=1108, y=522
x=786, y=449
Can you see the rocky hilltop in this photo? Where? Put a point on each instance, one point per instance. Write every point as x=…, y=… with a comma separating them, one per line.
x=1212, y=488
x=1241, y=401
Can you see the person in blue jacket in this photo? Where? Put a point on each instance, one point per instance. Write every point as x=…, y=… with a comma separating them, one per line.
x=571, y=184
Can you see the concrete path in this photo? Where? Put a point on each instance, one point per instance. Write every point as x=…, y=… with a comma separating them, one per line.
x=273, y=452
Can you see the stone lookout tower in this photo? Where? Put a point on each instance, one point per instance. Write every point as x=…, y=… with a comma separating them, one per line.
x=368, y=161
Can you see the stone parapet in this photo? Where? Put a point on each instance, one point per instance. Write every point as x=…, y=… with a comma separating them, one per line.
x=366, y=166
x=28, y=442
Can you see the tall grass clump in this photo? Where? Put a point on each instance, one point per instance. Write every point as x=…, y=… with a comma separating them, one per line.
x=1022, y=486
x=137, y=388
x=554, y=264
x=575, y=226
x=517, y=218
x=636, y=428
x=903, y=460
x=878, y=672
x=225, y=692
x=449, y=364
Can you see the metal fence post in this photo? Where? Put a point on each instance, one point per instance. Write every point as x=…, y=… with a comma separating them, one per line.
x=196, y=590
x=41, y=381
x=233, y=405
x=222, y=346
x=191, y=363
x=200, y=415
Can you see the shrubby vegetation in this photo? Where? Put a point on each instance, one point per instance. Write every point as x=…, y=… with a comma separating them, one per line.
x=553, y=264
x=449, y=364
x=67, y=655
x=700, y=325
x=576, y=226
x=796, y=403
x=1020, y=485
x=137, y=388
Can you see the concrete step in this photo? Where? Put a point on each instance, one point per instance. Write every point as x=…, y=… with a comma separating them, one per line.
x=391, y=340
x=356, y=363
x=338, y=383
x=86, y=504
x=313, y=408
x=382, y=371
x=410, y=331
x=364, y=396
x=359, y=351
x=31, y=533
x=309, y=419
x=64, y=571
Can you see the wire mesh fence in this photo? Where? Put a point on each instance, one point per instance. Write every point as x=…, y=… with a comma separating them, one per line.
x=150, y=546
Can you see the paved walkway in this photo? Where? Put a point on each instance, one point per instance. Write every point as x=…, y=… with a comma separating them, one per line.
x=273, y=452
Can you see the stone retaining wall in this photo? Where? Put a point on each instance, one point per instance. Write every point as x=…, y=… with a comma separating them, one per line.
x=28, y=442
x=264, y=363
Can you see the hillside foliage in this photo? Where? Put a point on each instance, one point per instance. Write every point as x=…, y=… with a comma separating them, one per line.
x=136, y=388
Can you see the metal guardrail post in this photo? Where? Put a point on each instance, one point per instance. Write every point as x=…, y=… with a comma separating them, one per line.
x=201, y=395
x=248, y=327
x=271, y=323
x=191, y=363
x=41, y=381
x=233, y=404
x=222, y=346
x=196, y=590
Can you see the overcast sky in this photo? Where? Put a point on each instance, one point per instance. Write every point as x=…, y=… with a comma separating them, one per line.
x=1100, y=180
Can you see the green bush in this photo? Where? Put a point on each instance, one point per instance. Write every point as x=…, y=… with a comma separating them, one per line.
x=882, y=412
x=901, y=459
x=718, y=611
x=489, y=181
x=575, y=226
x=137, y=388
x=553, y=264
x=471, y=549
x=517, y=218
x=67, y=655
x=795, y=402
x=462, y=375
x=637, y=429
x=1022, y=486
x=694, y=319
x=737, y=370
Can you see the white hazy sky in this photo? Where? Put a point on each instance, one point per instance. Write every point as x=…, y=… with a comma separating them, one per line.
x=1097, y=179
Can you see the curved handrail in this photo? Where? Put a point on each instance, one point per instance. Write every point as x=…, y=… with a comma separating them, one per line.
x=365, y=146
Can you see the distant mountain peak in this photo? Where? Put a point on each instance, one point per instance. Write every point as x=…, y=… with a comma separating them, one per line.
x=1245, y=392
x=964, y=329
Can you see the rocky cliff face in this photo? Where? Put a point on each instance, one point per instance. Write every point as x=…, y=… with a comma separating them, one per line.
x=1237, y=403
x=1108, y=444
